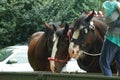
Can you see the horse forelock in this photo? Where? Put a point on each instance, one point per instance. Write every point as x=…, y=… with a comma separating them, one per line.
x=80, y=21
x=59, y=32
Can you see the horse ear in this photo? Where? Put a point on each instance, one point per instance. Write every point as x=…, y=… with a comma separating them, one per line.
x=83, y=14
x=47, y=26
x=88, y=19
x=66, y=28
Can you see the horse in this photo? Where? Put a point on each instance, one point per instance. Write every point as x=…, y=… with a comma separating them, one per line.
x=43, y=47
x=40, y=47
x=59, y=55
x=87, y=40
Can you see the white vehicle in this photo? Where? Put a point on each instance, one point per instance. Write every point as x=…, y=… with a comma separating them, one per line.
x=15, y=60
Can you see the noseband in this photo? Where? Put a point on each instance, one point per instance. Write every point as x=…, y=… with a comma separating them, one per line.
x=81, y=40
x=78, y=41
x=58, y=60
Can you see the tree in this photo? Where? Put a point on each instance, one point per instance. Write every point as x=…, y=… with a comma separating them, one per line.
x=19, y=19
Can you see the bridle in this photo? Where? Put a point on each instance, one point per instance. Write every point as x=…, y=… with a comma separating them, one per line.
x=81, y=42
x=66, y=59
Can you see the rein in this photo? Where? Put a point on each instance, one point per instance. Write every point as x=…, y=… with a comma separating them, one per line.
x=90, y=53
x=58, y=60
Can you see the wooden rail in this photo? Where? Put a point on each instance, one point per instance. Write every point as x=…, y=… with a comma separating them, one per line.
x=50, y=76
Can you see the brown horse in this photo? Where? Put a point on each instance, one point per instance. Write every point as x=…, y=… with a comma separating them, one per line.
x=44, y=46
x=87, y=40
x=39, y=48
x=60, y=56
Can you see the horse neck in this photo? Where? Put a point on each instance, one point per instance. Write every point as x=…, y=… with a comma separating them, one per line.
x=94, y=42
x=100, y=26
x=44, y=43
x=99, y=34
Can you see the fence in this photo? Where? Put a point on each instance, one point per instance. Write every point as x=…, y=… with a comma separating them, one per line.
x=50, y=76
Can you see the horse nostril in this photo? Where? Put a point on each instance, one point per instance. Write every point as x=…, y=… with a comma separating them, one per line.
x=73, y=52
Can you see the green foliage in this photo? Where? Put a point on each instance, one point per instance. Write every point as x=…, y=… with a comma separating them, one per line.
x=21, y=18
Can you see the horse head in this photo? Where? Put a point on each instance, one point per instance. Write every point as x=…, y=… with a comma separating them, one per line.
x=59, y=55
x=40, y=47
x=87, y=37
x=80, y=31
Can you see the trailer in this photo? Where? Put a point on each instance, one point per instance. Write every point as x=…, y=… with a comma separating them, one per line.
x=38, y=75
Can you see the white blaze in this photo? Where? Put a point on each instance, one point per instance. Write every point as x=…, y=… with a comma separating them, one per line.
x=54, y=50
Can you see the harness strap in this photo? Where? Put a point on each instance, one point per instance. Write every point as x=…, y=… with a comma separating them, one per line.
x=91, y=54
